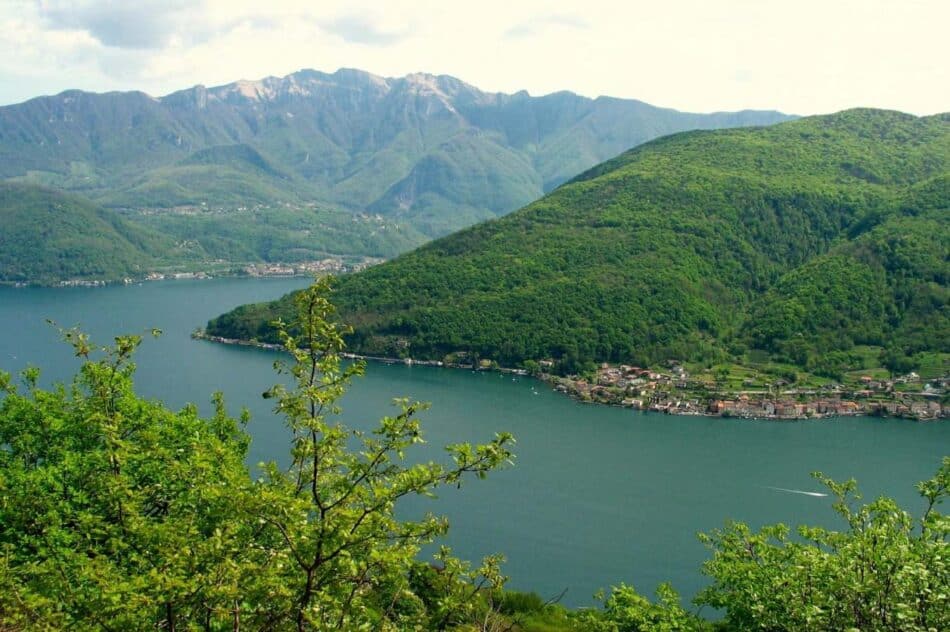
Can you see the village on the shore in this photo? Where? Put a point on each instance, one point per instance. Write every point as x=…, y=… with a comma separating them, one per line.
x=676, y=392
x=321, y=267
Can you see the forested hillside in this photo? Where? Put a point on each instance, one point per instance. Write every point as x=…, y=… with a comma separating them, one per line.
x=801, y=240
x=51, y=236
x=48, y=235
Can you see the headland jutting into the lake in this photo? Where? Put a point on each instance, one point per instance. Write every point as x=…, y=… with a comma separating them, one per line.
x=675, y=392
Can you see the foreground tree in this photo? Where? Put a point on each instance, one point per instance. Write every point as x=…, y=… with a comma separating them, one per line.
x=344, y=559
x=118, y=514
x=115, y=513
x=886, y=571
x=625, y=610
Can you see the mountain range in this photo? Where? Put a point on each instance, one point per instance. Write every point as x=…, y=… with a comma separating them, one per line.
x=413, y=157
x=807, y=242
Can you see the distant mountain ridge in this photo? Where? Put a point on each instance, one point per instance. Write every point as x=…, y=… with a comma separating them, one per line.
x=430, y=151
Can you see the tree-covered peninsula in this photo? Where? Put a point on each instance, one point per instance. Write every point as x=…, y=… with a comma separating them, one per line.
x=819, y=244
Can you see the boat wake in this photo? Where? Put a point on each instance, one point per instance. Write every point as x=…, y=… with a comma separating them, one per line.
x=796, y=491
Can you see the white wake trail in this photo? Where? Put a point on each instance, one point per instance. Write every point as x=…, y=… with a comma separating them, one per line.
x=796, y=491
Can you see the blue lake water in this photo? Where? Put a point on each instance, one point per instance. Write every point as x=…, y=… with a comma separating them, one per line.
x=598, y=495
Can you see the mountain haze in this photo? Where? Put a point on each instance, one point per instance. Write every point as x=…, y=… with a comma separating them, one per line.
x=429, y=151
x=802, y=240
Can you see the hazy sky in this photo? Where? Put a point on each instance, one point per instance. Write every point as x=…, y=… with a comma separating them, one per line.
x=800, y=56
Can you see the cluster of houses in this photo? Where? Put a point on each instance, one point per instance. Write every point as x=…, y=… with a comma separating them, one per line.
x=675, y=393
x=78, y=283
x=151, y=276
x=911, y=409
x=632, y=386
x=158, y=276
x=269, y=269
x=202, y=208
x=744, y=406
x=310, y=268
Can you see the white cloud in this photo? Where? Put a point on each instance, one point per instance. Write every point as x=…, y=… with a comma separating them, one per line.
x=806, y=57
x=117, y=23
x=540, y=23
x=361, y=30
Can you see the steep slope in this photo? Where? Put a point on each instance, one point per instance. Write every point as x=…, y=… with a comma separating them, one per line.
x=48, y=235
x=888, y=287
x=693, y=246
x=429, y=150
x=228, y=175
x=286, y=235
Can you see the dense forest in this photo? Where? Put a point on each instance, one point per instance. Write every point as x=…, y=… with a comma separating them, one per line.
x=117, y=513
x=48, y=235
x=800, y=240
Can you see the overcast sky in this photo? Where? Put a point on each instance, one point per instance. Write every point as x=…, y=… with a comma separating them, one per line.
x=799, y=56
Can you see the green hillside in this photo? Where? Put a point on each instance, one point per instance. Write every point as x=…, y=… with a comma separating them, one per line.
x=48, y=236
x=800, y=240
x=888, y=287
x=286, y=234
x=227, y=175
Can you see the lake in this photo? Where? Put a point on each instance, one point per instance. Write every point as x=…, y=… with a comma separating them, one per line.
x=597, y=496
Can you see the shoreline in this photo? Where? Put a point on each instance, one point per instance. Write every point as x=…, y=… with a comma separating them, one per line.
x=172, y=276
x=736, y=405
x=337, y=264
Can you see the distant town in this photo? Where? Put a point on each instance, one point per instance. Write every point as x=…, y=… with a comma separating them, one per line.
x=328, y=265
x=309, y=268
x=676, y=392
